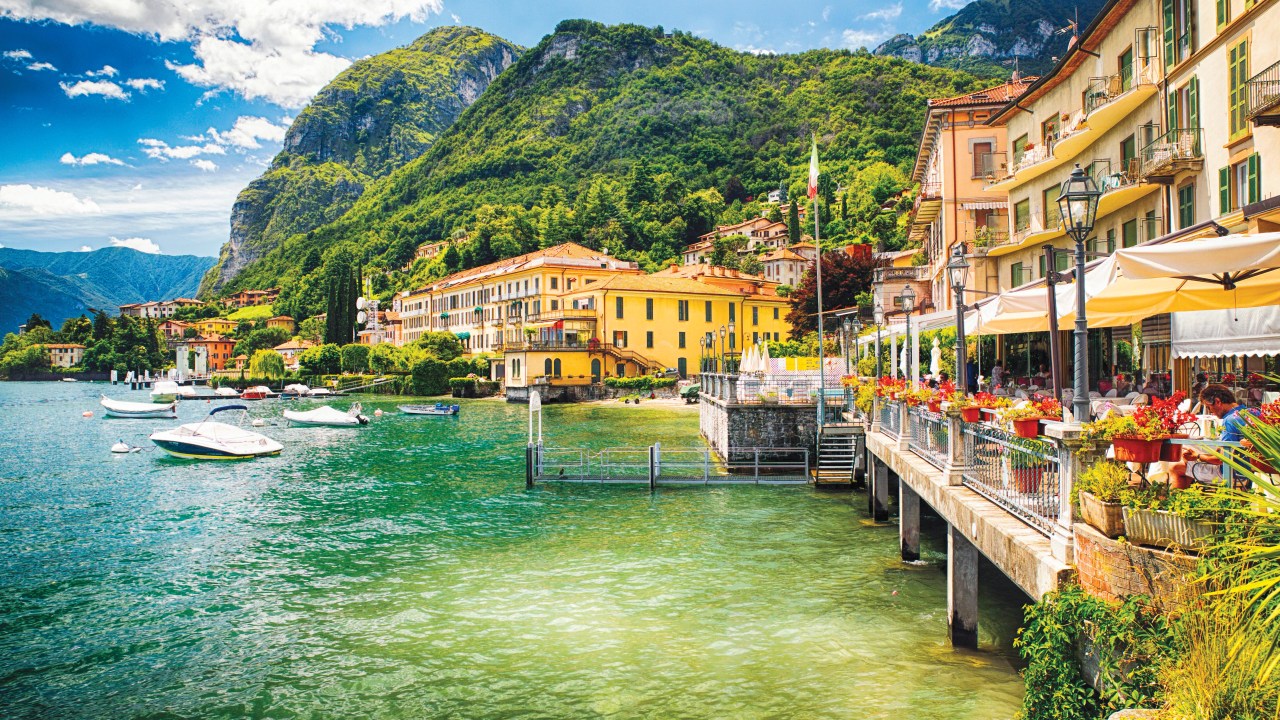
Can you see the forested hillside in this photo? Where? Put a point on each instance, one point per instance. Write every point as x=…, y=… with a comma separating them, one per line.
x=635, y=140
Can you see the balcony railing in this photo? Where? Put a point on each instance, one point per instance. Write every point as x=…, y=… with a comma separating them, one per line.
x=929, y=436
x=919, y=272
x=1032, y=156
x=1103, y=90
x=991, y=166
x=1020, y=475
x=986, y=236
x=562, y=314
x=1175, y=151
x=1109, y=177
x=1264, y=96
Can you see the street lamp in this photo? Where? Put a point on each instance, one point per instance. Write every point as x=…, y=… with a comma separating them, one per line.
x=958, y=274
x=878, y=317
x=908, y=300
x=702, y=354
x=723, y=332
x=1078, y=201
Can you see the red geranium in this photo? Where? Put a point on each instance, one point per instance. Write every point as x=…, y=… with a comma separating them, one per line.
x=1164, y=414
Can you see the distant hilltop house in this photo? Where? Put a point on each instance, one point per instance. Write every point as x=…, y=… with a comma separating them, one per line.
x=282, y=321
x=158, y=309
x=291, y=350
x=210, y=326
x=65, y=355
x=250, y=298
x=427, y=251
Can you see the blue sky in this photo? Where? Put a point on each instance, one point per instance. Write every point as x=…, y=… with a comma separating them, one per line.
x=136, y=122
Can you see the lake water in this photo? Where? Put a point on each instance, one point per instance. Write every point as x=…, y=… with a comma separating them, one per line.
x=402, y=570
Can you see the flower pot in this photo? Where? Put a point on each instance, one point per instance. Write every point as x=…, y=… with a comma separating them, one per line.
x=971, y=414
x=1164, y=529
x=935, y=406
x=1262, y=466
x=1136, y=450
x=988, y=413
x=1172, y=452
x=1180, y=482
x=1028, y=428
x=1105, y=517
x=1027, y=480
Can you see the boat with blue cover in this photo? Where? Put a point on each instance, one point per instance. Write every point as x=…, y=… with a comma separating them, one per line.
x=437, y=409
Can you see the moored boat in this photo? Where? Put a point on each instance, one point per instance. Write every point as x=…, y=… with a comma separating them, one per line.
x=437, y=409
x=122, y=409
x=257, y=392
x=327, y=417
x=164, y=391
x=210, y=440
x=226, y=392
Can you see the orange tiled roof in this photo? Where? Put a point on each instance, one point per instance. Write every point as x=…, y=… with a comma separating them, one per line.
x=563, y=250
x=698, y=270
x=783, y=254
x=1000, y=94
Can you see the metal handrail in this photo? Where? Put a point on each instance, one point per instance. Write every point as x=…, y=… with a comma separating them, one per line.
x=1173, y=146
x=1021, y=475
x=1263, y=90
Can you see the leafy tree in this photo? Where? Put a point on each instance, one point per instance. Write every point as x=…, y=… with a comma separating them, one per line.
x=311, y=261
x=386, y=358
x=793, y=224
x=775, y=213
x=266, y=364
x=640, y=185
x=32, y=358
x=190, y=332
x=320, y=360
x=311, y=329
x=342, y=281
x=355, y=358
x=260, y=339
x=452, y=260
x=36, y=321
x=442, y=345
x=102, y=325
x=77, y=330
x=734, y=191
x=844, y=278
x=751, y=264
x=430, y=376
x=724, y=251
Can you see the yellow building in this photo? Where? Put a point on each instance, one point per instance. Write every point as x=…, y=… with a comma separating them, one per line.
x=214, y=326
x=283, y=322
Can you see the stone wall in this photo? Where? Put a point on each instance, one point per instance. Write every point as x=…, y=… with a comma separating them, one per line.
x=1114, y=570
x=557, y=393
x=729, y=426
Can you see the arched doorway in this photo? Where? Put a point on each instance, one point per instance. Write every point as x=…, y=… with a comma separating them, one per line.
x=595, y=370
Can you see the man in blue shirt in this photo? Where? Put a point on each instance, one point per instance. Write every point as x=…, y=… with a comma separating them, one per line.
x=1219, y=400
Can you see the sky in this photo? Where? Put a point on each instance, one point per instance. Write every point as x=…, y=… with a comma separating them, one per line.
x=137, y=122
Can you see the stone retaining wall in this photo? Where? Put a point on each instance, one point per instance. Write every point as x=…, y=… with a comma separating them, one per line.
x=727, y=426
x=1114, y=570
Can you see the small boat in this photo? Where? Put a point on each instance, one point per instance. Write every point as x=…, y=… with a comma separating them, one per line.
x=294, y=390
x=327, y=417
x=69, y=380
x=257, y=392
x=437, y=409
x=122, y=409
x=164, y=391
x=226, y=392
x=210, y=440
x=321, y=392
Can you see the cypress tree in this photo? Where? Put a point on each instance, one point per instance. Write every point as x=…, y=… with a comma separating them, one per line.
x=793, y=223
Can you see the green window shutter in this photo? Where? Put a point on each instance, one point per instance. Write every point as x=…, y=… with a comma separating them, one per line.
x=1222, y=13
x=1254, y=172
x=1193, y=102
x=1173, y=112
x=1167, y=11
x=1224, y=191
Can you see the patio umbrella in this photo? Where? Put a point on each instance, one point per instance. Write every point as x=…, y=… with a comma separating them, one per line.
x=935, y=358
x=749, y=360
x=1219, y=273
x=765, y=365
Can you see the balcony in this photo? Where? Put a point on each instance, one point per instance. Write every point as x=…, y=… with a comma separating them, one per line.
x=928, y=203
x=1172, y=154
x=1263, y=92
x=990, y=165
x=984, y=237
x=563, y=314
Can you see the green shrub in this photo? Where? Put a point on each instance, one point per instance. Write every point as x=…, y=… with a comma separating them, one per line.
x=267, y=363
x=1106, y=480
x=430, y=377
x=320, y=360
x=355, y=358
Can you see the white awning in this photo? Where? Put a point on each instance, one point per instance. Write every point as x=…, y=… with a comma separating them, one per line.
x=985, y=205
x=1226, y=333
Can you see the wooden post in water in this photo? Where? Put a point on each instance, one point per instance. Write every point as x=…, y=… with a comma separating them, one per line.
x=653, y=467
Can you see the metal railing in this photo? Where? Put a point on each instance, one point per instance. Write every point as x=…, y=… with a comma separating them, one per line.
x=929, y=436
x=1178, y=145
x=561, y=314
x=1019, y=474
x=990, y=165
x=890, y=418
x=1264, y=90
x=657, y=465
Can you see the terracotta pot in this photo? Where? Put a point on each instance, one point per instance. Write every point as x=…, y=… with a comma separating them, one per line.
x=1171, y=452
x=1180, y=482
x=1262, y=466
x=971, y=414
x=1136, y=450
x=893, y=396
x=935, y=406
x=1027, y=480
x=1028, y=428
x=1105, y=517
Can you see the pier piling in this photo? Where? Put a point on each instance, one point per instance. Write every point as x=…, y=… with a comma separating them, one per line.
x=962, y=589
x=909, y=522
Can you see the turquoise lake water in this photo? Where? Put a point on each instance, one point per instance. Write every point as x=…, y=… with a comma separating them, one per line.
x=402, y=570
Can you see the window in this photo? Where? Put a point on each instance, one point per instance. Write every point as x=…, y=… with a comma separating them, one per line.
x=1015, y=275
x=733, y=340
x=708, y=310
x=982, y=158
x=555, y=304
x=755, y=316
x=1111, y=240
x=681, y=339
x=1153, y=228
x=648, y=339
x=1129, y=233
x=620, y=338
x=732, y=312
x=555, y=283
x=1019, y=149
x=1126, y=70
x=617, y=302
x=1238, y=95
x=648, y=308
x=1049, y=131
x=1128, y=151
x=1022, y=215
x=682, y=310
x=1239, y=184
x=775, y=313
x=622, y=369
x=1223, y=8
x=1052, y=213
x=1179, y=30
x=1187, y=205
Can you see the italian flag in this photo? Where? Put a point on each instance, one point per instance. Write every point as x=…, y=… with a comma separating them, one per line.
x=813, y=171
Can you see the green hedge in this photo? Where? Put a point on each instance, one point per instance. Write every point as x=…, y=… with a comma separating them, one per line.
x=430, y=377
x=642, y=382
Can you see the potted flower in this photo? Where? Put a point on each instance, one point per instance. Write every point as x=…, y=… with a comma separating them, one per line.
x=991, y=404
x=1026, y=465
x=969, y=410
x=942, y=393
x=1164, y=416
x=1024, y=420
x=1101, y=488
x=890, y=387
x=1165, y=517
x=1130, y=442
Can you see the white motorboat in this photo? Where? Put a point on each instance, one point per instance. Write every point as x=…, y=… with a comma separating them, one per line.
x=294, y=390
x=122, y=409
x=257, y=392
x=328, y=417
x=209, y=440
x=437, y=409
x=164, y=391
x=321, y=392
x=226, y=392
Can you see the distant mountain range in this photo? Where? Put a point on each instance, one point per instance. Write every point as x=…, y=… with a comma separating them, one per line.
x=60, y=285
x=986, y=36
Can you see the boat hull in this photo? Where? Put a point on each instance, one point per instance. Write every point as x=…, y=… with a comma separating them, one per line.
x=191, y=451
x=429, y=410
x=161, y=412
x=121, y=409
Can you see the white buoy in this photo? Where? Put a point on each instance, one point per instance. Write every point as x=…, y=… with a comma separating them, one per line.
x=377, y=413
x=121, y=447
x=87, y=413
x=258, y=422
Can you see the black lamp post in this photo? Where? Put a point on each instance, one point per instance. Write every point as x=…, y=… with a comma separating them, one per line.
x=958, y=274
x=723, y=333
x=702, y=354
x=733, y=343
x=878, y=317
x=1078, y=201
x=908, y=299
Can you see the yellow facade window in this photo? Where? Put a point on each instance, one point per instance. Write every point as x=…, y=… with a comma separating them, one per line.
x=1238, y=95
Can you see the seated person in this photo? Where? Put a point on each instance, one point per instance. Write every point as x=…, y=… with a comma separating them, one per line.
x=1220, y=401
x=1152, y=387
x=1123, y=386
x=1202, y=381
x=1104, y=386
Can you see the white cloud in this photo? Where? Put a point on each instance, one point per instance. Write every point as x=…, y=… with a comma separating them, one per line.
x=161, y=150
x=257, y=49
x=106, y=71
x=92, y=158
x=886, y=13
x=27, y=199
x=247, y=131
x=85, y=248
x=105, y=88
x=41, y=66
x=145, y=84
x=136, y=243
x=938, y=5
x=854, y=39
x=756, y=50
x=17, y=54
x=205, y=165
x=826, y=13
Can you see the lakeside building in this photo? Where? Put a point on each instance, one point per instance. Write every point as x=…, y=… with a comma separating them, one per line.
x=291, y=349
x=217, y=348
x=173, y=329
x=159, y=308
x=250, y=298
x=284, y=322
x=214, y=326
x=64, y=355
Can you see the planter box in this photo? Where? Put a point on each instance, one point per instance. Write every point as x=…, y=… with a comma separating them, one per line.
x=971, y=414
x=1163, y=529
x=935, y=406
x=1107, y=518
x=1029, y=428
x=1170, y=452
x=1136, y=450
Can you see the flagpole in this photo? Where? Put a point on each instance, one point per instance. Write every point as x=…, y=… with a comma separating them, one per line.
x=817, y=241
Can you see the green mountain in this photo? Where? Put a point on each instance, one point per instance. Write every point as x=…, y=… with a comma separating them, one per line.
x=59, y=285
x=374, y=117
x=985, y=36
x=635, y=140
